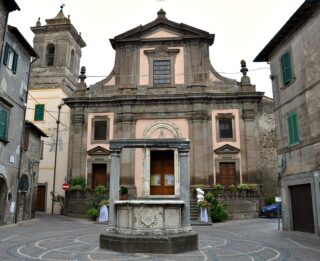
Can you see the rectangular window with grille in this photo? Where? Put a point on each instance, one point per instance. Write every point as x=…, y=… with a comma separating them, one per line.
x=99, y=130
x=39, y=112
x=293, y=128
x=225, y=128
x=161, y=72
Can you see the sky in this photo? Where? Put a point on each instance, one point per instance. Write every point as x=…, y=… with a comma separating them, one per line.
x=242, y=28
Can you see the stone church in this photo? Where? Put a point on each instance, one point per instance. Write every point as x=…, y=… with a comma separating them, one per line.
x=164, y=86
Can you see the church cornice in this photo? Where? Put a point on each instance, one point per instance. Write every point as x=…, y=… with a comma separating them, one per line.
x=170, y=99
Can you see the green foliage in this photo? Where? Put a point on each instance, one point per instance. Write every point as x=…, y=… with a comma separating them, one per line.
x=78, y=180
x=248, y=187
x=232, y=188
x=104, y=202
x=218, y=212
x=58, y=199
x=93, y=212
x=210, y=197
x=218, y=188
x=243, y=186
x=123, y=190
x=100, y=194
x=202, y=204
x=270, y=200
x=100, y=190
x=76, y=187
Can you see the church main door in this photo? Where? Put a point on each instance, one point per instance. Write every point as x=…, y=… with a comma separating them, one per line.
x=227, y=175
x=162, y=172
x=99, y=175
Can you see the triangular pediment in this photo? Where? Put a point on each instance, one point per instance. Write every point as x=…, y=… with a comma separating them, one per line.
x=98, y=151
x=226, y=149
x=161, y=33
x=161, y=28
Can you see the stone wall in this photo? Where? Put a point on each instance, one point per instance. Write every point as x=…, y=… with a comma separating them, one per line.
x=3, y=22
x=268, y=152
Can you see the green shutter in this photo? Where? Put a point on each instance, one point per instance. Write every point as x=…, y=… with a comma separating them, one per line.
x=286, y=68
x=15, y=63
x=3, y=123
x=293, y=128
x=6, y=53
x=39, y=112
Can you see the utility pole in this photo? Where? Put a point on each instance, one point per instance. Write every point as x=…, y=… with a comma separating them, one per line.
x=55, y=159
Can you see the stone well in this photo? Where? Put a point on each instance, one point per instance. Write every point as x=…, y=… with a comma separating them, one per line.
x=154, y=224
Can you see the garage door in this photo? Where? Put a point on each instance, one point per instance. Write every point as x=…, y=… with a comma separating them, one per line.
x=301, y=205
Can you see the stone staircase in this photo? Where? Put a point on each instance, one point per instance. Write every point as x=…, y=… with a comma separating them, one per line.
x=194, y=210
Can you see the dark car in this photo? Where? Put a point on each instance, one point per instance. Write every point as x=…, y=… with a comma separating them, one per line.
x=270, y=211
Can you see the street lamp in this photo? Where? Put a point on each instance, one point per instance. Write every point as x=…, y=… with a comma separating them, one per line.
x=55, y=158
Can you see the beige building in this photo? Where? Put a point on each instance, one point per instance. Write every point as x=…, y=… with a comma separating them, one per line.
x=53, y=78
x=294, y=57
x=164, y=86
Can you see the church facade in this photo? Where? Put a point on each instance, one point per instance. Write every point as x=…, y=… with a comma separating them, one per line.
x=163, y=86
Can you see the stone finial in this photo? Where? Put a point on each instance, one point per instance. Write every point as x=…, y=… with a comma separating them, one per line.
x=244, y=68
x=82, y=75
x=68, y=20
x=161, y=14
x=245, y=80
x=38, y=22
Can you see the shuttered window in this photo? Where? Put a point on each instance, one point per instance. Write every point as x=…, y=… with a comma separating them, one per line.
x=286, y=68
x=10, y=58
x=3, y=123
x=293, y=128
x=39, y=112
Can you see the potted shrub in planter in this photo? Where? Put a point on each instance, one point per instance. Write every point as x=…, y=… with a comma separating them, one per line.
x=218, y=189
x=123, y=193
x=232, y=190
x=93, y=213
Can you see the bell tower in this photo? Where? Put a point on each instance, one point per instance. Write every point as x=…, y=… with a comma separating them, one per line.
x=53, y=77
x=59, y=46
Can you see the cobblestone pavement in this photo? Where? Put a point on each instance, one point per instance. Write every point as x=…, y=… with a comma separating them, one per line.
x=52, y=238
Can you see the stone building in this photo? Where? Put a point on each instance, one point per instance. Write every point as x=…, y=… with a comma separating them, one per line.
x=6, y=6
x=294, y=57
x=164, y=86
x=15, y=65
x=29, y=171
x=53, y=77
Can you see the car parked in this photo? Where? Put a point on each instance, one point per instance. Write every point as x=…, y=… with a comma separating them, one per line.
x=270, y=211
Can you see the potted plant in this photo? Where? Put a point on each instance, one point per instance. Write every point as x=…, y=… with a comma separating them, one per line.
x=218, y=189
x=58, y=199
x=123, y=193
x=93, y=213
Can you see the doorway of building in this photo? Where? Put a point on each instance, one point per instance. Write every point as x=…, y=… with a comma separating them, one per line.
x=162, y=172
x=227, y=174
x=41, y=198
x=3, y=194
x=302, y=210
x=99, y=175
